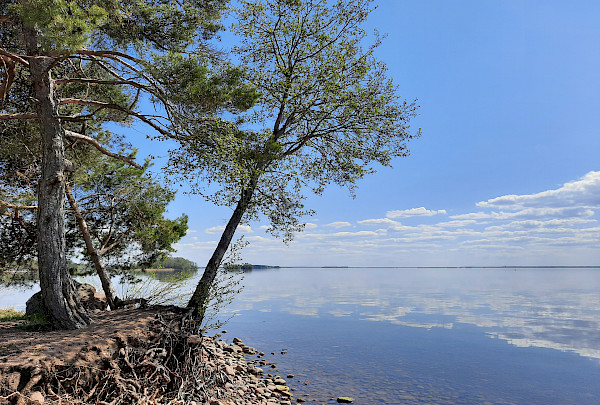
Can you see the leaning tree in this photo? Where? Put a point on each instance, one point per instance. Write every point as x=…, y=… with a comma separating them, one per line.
x=89, y=62
x=327, y=113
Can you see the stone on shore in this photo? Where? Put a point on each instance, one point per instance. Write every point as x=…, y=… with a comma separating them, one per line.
x=345, y=400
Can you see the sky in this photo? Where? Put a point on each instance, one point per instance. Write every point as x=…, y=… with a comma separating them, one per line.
x=507, y=170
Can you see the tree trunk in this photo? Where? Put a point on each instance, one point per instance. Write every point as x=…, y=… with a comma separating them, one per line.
x=201, y=297
x=63, y=308
x=107, y=286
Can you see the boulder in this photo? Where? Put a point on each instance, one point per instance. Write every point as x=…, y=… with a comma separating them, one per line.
x=37, y=398
x=34, y=304
x=90, y=299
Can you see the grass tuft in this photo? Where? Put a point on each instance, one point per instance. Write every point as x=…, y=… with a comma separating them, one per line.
x=11, y=315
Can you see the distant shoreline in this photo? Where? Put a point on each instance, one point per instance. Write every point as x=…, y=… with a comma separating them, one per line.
x=441, y=267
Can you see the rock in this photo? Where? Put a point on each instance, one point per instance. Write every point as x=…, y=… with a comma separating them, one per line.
x=37, y=398
x=282, y=388
x=345, y=400
x=229, y=370
x=194, y=339
x=237, y=340
x=249, y=350
x=256, y=370
x=290, y=376
x=90, y=299
x=34, y=304
x=300, y=400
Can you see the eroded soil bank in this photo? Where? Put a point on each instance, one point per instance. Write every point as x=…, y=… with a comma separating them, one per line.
x=131, y=356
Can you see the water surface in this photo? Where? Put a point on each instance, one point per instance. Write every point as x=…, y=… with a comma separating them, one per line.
x=416, y=336
x=402, y=336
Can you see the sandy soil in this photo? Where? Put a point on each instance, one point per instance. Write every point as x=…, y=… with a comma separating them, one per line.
x=33, y=349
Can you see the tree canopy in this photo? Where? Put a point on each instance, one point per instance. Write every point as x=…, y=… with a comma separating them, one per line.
x=327, y=114
x=85, y=64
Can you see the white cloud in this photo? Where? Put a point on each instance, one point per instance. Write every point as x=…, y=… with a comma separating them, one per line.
x=245, y=229
x=339, y=224
x=584, y=192
x=310, y=225
x=221, y=228
x=457, y=223
x=337, y=235
x=215, y=229
x=472, y=215
x=413, y=212
x=544, y=212
x=390, y=223
x=551, y=227
x=561, y=224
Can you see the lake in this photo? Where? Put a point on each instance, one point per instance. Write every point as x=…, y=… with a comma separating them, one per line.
x=422, y=335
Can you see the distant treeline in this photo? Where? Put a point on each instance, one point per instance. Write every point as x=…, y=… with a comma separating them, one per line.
x=178, y=263
x=247, y=267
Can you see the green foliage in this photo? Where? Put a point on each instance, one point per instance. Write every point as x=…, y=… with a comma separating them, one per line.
x=124, y=209
x=35, y=322
x=164, y=24
x=239, y=267
x=63, y=24
x=327, y=113
x=178, y=263
x=7, y=315
x=201, y=87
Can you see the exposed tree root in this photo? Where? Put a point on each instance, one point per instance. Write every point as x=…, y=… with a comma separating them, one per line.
x=173, y=364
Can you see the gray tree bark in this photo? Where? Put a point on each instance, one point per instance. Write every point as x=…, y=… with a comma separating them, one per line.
x=200, y=298
x=107, y=285
x=63, y=308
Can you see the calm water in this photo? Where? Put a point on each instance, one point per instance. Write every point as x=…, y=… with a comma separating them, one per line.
x=414, y=336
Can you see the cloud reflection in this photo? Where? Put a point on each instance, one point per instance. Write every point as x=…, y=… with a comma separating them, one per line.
x=556, y=309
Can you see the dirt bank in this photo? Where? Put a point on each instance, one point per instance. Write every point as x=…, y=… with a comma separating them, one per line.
x=149, y=356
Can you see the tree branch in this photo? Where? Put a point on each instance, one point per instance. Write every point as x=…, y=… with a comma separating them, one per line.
x=14, y=57
x=103, y=53
x=97, y=145
x=117, y=107
x=25, y=116
x=105, y=248
x=17, y=207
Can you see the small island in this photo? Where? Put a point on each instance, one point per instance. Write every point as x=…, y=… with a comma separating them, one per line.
x=248, y=267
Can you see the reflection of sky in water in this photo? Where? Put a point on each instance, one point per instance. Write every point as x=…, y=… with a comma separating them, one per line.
x=420, y=336
x=550, y=308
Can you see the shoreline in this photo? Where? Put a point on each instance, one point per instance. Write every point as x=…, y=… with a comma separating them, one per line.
x=130, y=351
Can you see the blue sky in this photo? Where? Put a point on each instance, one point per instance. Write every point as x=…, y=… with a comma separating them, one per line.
x=507, y=171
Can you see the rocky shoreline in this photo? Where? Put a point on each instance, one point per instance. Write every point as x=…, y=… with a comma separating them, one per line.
x=134, y=356
x=247, y=383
